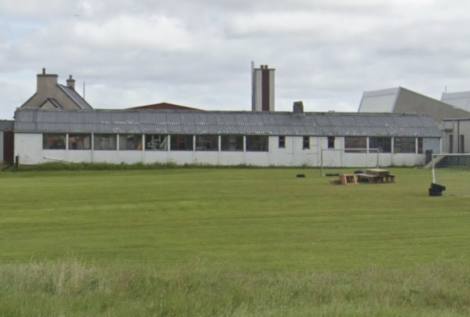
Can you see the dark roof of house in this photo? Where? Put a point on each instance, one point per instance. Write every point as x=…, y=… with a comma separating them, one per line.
x=164, y=106
x=75, y=97
x=54, y=103
x=225, y=122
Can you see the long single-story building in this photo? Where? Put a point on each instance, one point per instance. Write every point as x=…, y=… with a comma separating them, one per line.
x=295, y=138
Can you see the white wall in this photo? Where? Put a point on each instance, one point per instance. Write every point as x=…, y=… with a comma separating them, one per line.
x=29, y=148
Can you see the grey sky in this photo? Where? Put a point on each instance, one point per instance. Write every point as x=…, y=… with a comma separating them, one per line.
x=197, y=53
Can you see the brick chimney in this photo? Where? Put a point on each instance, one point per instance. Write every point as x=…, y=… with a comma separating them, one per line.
x=298, y=107
x=46, y=84
x=71, y=82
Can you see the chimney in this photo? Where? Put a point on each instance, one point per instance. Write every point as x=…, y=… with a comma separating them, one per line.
x=46, y=84
x=298, y=107
x=262, y=88
x=71, y=82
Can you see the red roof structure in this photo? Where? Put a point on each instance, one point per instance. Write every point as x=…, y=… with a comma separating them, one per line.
x=165, y=106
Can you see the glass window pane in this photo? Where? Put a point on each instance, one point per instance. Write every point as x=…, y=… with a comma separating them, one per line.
x=53, y=141
x=383, y=144
x=207, y=143
x=156, y=142
x=306, y=143
x=257, y=143
x=79, y=141
x=130, y=142
x=181, y=142
x=105, y=142
x=420, y=146
x=405, y=145
x=331, y=142
x=232, y=143
x=355, y=144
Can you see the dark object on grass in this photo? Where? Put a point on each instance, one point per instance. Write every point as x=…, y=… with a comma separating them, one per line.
x=437, y=186
x=332, y=174
x=358, y=172
x=435, y=191
x=301, y=175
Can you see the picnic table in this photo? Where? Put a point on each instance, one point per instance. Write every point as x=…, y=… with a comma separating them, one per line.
x=376, y=176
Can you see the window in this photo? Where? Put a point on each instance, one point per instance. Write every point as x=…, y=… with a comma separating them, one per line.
x=156, y=142
x=355, y=144
x=331, y=142
x=105, y=142
x=405, y=145
x=181, y=142
x=207, y=142
x=79, y=141
x=420, y=146
x=232, y=143
x=451, y=144
x=130, y=142
x=257, y=143
x=306, y=143
x=383, y=144
x=462, y=143
x=282, y=142
x=53, y=141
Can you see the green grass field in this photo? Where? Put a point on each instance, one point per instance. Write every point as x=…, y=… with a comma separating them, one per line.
x=230, y=242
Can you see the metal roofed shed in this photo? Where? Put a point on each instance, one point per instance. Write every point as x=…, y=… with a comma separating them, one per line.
x=224, y=137
x=224, y=122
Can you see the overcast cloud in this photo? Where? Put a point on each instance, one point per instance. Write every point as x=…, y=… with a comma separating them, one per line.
x=197, y=53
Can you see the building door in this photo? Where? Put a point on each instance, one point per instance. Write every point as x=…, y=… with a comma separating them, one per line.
x=8, y=147
x=451, y=144
x=462, y=144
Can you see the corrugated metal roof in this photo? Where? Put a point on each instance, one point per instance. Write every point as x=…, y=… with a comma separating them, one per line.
x=76, y=98
x=379, y=100
x=457, y=99
x=224, y=122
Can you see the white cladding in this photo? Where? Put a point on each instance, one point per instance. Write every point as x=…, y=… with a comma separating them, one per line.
x=457, y=99
x=29, y=147
x=379, y=101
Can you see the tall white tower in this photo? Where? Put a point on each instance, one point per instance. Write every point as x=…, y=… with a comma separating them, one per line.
x=262, y=88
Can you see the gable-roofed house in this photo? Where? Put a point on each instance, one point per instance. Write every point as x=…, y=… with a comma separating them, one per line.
x=50, y=95
x=295, y=138
x=402, y=100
